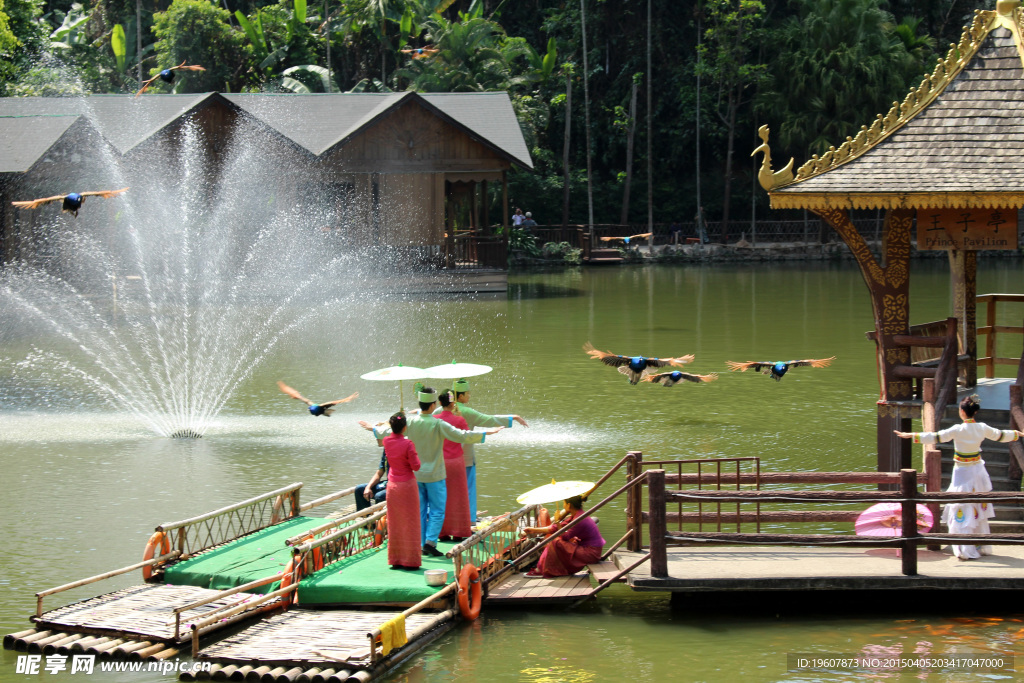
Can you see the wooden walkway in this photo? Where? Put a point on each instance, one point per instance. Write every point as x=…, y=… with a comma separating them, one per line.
x=758, y=568
x=140, y=612
x=519, y=589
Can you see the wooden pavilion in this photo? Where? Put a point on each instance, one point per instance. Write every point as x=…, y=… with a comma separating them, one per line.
x=949, y=158
x=405, y=171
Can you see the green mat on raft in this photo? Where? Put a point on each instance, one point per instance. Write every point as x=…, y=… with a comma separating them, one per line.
x=256, y=556
x=367, y=577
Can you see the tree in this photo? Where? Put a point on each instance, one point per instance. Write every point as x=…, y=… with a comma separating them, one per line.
x=831, y=44
x=729, y=59
x=198, y=32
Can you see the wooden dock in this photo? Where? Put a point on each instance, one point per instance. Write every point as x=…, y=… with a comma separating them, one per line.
x=731, y=568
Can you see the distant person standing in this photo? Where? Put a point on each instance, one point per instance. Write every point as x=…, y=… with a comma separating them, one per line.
x=517, y=218
x=528, y=222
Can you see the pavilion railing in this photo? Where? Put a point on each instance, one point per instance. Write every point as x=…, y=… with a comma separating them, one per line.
x=992, y=330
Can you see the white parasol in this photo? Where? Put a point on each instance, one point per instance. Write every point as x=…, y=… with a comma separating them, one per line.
x=455, y=370
x=555, y=491
x=397, y=372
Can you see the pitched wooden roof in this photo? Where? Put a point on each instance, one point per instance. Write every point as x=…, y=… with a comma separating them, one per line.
x=955, y=141
x=321, y=122
x=315, y=123
x=146, y=115
x=25, y=139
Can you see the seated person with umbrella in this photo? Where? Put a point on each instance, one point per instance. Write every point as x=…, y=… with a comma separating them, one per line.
x=576, y=548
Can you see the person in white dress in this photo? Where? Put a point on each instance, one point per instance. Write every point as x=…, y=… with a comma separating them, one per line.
x=969, y=474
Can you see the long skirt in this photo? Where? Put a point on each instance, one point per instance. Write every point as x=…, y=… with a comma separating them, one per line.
x=457, y=522
x=404, y=541
x=969, y=518
x=563, y=558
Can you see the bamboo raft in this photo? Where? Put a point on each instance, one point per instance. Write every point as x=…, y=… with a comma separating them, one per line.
x=143, y=612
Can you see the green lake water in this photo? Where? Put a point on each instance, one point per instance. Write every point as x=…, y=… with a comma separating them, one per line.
x=84, y=486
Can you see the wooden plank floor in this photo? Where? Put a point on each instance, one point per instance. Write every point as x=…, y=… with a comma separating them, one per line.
x=303, y=637
x=732, y=568
x=520, y=590
x=144, y=610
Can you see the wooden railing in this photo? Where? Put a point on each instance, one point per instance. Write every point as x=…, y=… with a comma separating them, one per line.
x=720, y=480
x=474, y=251
x=943, y=371
x=992, y=331
x=907, y=496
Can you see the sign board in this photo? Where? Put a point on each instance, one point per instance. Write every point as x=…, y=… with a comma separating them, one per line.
x=966, y=229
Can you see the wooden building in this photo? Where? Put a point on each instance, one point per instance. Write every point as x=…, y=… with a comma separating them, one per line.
x=401, y=170
x=947, y=160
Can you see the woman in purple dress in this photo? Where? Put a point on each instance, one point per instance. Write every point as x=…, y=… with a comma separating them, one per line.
x=573, y=550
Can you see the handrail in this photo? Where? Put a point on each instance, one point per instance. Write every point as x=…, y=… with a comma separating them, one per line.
x=330, y=497
x=298, y=538
x=177, y=611
x=230, y=508
x=418, y=607
x=990, y=360
x=221, y=618
x=519, y=561
x=100, y=577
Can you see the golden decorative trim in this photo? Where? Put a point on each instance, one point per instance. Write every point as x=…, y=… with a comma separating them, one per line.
x=946, y=69
x=891, y=200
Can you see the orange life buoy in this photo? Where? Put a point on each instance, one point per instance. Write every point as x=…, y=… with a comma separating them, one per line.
x=380, y=531
x=291, y=573
x=157, y=539
x=470, y=598
x=543, y=517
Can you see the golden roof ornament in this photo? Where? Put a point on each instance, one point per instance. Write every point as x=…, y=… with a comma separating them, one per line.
x=765, y=176
x=1004, y=8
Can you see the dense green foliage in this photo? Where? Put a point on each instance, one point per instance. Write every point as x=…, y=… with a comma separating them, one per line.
x=813, y=70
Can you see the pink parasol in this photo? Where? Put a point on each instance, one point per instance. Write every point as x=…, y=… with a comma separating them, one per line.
x=885, y=519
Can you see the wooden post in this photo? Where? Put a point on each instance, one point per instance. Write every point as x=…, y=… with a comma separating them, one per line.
x=504, y=201
x=656, y=517
x=908, y=491
x=634, y=502
x=963, y=267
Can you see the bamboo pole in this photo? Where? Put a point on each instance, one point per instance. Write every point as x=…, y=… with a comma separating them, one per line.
x=38, y=645
x=11, y=637
x=21, y=644
x=125, y=650
x=62, y=644
x=99, y=577
x=298, y=538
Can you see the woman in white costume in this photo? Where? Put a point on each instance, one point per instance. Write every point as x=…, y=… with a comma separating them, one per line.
x=969, y=474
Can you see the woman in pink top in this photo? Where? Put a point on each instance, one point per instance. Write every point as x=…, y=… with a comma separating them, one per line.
x=457, y=524
x=573, y=550
x=403, y=498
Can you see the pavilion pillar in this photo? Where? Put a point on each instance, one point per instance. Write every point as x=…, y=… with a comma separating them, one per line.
x=474, y=208
x=485, y=220
x=963, y=270
x=889, y=288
